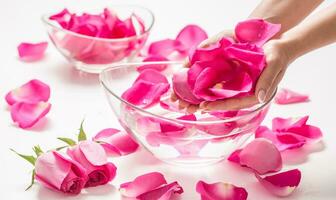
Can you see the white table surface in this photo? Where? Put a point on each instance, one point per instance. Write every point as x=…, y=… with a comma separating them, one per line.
x=77, y=95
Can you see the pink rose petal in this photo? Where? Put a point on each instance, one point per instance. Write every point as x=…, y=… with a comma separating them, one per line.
x=286, y=96
x=256, y=31
x=165, y=192
x=147, y=89
x=27, y=115
x=150, y=186
x=33, y=91
x=290, y=133
x=260, y=155
x=157, y=67
x=281, y=184
x=182, y=88
x=116, y=142
x=220, y=191
x=191, y=36
x=62, y=17
x=164, y=47
x=32, y=52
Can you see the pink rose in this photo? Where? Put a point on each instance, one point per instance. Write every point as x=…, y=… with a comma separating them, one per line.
x=228, y=68
x=93, y=158
x=58, y=172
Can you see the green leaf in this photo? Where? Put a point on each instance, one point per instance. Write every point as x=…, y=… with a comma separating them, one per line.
x=38, y=151
x=68, y=141
x=60, y=148
x=32, y=181
x=31, y=159
x=82, y=134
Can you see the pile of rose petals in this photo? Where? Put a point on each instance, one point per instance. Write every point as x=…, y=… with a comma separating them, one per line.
x=263, y=155
x=32, y=52
x=228, y=68
x=174, y=49
x=96, y=39
x=104, y=25
x=29, y=103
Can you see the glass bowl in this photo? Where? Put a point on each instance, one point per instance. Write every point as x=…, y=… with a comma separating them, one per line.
x=93, y=54
x=212, y=138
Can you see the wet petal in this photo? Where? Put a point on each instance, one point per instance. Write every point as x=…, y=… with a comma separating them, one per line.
x=116, y=142
x=28, y=114
x=191, y=36
x=220, y=191
x=260, y=155
x=157, y=67
x=256, y=31
x=32, y=51
x=147, y=89
x=33, y=91
x=142, y=184
x=286, y=96
x=182, y=88
x=281, y=184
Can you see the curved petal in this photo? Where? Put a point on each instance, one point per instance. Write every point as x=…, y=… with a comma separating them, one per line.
x=261, y=156
x=28, y=114
x=281, y=184
x=256, y=31
x=191, y=36
x=182, y=88
x=151, y=76
x=165, y=192
x=32, y=52
x=62, y=18
x=286, y=96
x=33, y=91
x=116, y=142
x=93, y=152
x=157, y=67
x=142, y=184
x=220, y=191
x=164, y=47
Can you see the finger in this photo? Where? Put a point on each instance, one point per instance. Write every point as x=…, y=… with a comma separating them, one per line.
x=192, y=108
x=232, y=103
x=266, y=80
x=275, y=84
x=173, y=97
x=216, y=38
x=182, y=104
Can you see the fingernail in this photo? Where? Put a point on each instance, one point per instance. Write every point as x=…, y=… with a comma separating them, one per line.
x=203, y=105
x=261, y=96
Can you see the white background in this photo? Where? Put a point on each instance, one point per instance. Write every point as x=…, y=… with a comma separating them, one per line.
x=76, y=96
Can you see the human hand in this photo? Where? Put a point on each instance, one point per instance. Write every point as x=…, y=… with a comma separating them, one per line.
x=277, y=61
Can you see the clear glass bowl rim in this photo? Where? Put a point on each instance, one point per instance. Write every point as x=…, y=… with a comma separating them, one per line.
x=123, y=65
x=47, y=21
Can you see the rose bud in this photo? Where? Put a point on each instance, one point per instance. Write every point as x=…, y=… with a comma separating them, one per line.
x=93, y=158
x=59, y=172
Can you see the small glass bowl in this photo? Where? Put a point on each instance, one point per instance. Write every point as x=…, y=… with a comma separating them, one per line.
x=208, y=140
x=93, y=54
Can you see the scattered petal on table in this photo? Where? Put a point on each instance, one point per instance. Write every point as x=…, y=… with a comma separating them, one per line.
x=165, y=192
x=33, y=91
x=281, y=184
x=28, y=114
x=116, y=142
x=286, y=96
x=220, y=191
x=32, y=52
x=260, y=155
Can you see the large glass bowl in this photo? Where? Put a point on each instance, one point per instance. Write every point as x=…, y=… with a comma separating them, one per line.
x=211, y=138
x=92, y=54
